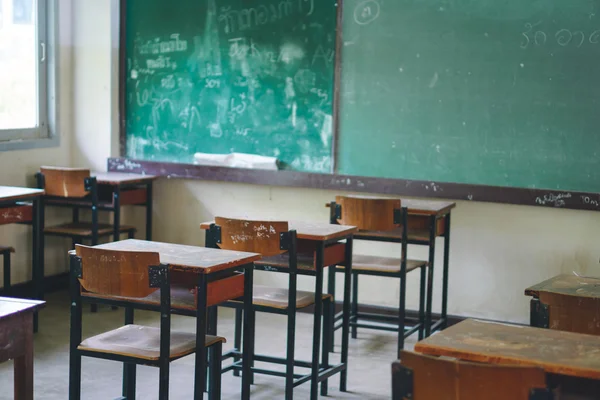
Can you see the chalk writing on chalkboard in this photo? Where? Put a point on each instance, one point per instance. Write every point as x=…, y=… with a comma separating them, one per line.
x=534, y=36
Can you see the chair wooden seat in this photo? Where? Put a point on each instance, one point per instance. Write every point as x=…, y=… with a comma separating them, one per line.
x=143, y=342
x=84, y=229
x=414, y=235
x=267, y=296
x=383, y=264
x=181, y=298
x=6, y=249
x=304, y=261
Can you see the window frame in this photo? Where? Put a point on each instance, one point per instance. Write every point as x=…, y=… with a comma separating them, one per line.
x=44, y=135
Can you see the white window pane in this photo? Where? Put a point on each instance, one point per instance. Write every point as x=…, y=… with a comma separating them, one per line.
x=18, y=65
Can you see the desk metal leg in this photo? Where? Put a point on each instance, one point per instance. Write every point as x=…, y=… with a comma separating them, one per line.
x=346, y=315
x=149, y=211
x=446, y=272
x=331, y=291
x=432, y=237
x=117, y=214
x=200, y=366
x=248, y=346
x=314, y=384
x=23, y=365
x=37, y=255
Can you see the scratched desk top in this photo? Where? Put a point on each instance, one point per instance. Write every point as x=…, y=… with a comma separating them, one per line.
x=557, y=352
x=187, y=258
x=315, y=231
x=8, y=193
x=569, y=284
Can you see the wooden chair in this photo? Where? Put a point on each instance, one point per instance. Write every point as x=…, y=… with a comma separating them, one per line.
x=420, y=377
x=5, y=251
x=75, y=188
x=116, y=276
x=379, y=216
x=278, y=246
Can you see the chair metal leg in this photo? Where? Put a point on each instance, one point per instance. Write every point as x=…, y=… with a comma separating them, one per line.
x=327, y=328
x=331, y=291
x=314, y=384
x=216, y=352
x=211, y=329
x=237, y=338
x=422, y=295
x=129, y=370
x=354, y=312
x=291, y=338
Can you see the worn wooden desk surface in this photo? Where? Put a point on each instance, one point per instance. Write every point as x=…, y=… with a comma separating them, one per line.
x=187, y=258
x=16, y=341
x=569, y=284
x=557, y=352
x=9, y=193
x=10, y=306
x=314, y=231
x=422, y=207
x=120, y=178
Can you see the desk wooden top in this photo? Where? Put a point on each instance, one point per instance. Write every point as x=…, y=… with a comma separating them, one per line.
x=428, y=207
x=569, y=284
x=8, y=193
x=10, y=306
x=557, y=352
x=422, y=207
x=121, y=178
x=315, y=231
x=187, y=258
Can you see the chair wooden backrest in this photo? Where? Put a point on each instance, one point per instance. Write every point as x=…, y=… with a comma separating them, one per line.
x=65, y=182
x=262, y=237
x=368, y=213
x=439, y=378
x=116, y=273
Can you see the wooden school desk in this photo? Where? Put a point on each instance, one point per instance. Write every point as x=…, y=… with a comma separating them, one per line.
x=213, y=272
x=115, y=189
x=14, y=208
x=427, y=220
x=16, y=341
x=565, y=354
x=315, y=240
x=567, y=303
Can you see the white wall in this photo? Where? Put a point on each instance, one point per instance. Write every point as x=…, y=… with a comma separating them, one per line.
x=19, y=167
x=496, y=250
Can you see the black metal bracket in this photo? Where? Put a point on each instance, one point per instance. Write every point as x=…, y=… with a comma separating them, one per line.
x=90, y=182
x=540, y=394
x=77, y=267
x=402, y=382
x=397, y=216
x=40, y=180
x=337, y=210
x=539, y=314
x=284, y=240
x=215, y=232
x=157, y=274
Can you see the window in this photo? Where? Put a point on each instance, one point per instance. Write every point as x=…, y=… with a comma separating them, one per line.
x=23, y=70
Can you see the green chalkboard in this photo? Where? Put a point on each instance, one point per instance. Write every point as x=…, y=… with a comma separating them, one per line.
x=492, y=92
x=221, y=76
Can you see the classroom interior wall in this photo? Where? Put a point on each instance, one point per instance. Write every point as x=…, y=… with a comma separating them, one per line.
x=496, y=250
x=19, y=166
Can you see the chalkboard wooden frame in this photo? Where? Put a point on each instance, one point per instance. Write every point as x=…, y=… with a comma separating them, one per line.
x=401, y=187
x=348, y=183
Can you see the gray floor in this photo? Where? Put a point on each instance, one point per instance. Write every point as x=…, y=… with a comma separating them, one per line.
x=371, y=356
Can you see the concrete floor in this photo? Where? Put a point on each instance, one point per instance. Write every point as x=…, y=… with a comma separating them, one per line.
x=369, y=376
